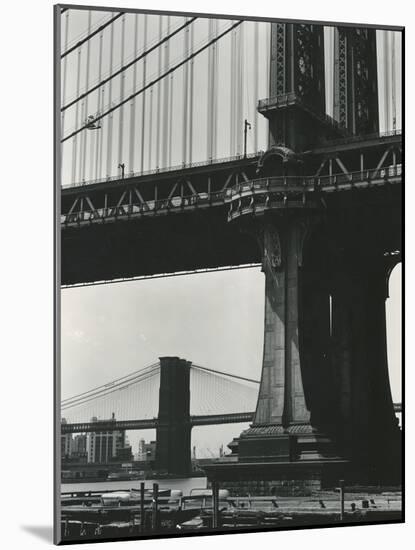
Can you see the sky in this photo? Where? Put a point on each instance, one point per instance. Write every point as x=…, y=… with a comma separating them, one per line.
x=212, y=319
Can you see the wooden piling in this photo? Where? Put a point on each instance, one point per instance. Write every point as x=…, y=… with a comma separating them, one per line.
x=341, y=485
x=142, y=509
x=215, y=504
x=154, y=516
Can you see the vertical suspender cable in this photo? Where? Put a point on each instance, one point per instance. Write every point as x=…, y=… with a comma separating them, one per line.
x=185, y=94
x=143, y=103
x=165, y=101
x=101, y=137
x=215, y=89
x=64, y=85
x=82, y=144
x=100, y=92
x=110, y=119
x=88, y=64
x=237, y=91
x=150, y=129
x=232, y=96
x=171, y=119
x=256, y=77
x=74, y=142
x=239, y=127
x=209, y=94
x=169, y=162
x=122, y=91
x=158, y=144
x=64, y=74
x=191, y=93
x=387, y=80
x=84, y=103
x=133, y=101
x=393, y=78
x=267, y=73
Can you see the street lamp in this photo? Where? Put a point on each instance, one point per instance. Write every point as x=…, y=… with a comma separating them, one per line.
x=91, y=123
x=122, y=166
x=247, y=127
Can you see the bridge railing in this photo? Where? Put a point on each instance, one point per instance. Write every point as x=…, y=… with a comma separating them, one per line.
x=297, y=184
x=286, y=187
x=164, y=170
x=384, y=173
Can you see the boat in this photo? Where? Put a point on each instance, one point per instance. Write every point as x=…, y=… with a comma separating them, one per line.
x=126, y=475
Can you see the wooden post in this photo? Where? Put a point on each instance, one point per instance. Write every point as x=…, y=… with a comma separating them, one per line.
x=215, y=504
x=341, y=483
x=142, y=510
x=154, y=516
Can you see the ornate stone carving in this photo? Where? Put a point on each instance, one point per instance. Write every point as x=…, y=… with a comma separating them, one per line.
x=272, y=247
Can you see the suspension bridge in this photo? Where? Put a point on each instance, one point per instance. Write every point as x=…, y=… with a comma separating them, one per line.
x=134, y=401
x=160, y=397
x=198, y=143
x=171, y=396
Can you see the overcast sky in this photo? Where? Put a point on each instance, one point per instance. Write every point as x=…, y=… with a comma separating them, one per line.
x=215, y=319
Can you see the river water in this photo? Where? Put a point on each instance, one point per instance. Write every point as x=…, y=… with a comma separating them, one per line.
x=185, y=485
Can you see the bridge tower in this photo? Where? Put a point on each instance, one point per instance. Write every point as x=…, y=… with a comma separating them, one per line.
x=286, y=428
x=296, y=108
x=174, y=429
x=324, y=395
x=355, y=95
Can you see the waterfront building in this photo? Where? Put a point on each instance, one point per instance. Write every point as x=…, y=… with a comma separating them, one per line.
x=66, y=443
x=146, y=451
x=102, y=447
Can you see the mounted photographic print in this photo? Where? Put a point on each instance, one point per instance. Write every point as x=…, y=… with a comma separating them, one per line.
x=228, y=274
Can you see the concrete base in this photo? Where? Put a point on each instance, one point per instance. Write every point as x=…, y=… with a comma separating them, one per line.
x=297, y=442
x=299, y=478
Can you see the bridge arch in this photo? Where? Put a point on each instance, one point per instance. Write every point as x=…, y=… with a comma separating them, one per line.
x=394, y=330
x=278, y=160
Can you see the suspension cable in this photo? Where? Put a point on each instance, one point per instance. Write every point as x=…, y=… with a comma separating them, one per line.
x=91, y=35
x=225, y=374
x=110, y=387
x=102, y=394
x=123, y=67
x=131, y=374
x=170, y=71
